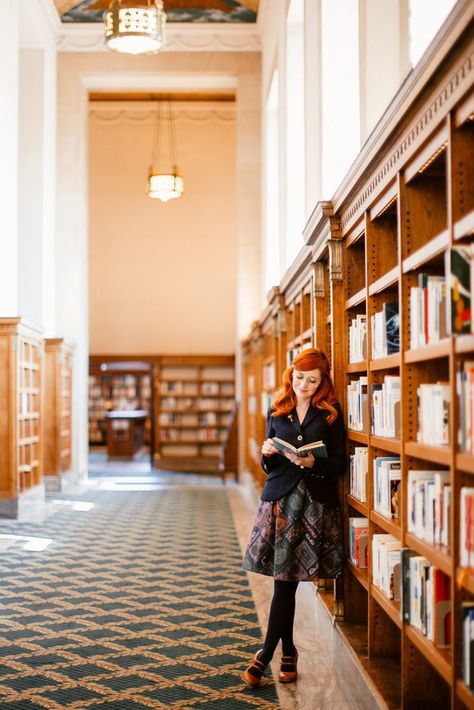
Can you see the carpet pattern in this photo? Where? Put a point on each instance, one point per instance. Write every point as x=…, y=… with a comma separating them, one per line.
x=140, y=602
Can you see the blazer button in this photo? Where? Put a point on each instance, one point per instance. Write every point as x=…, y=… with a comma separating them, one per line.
x=300, y=438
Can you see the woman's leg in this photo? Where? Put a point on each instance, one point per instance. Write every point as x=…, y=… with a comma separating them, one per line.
x=280, y=622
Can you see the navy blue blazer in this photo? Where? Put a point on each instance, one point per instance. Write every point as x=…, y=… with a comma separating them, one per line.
x=283, y=474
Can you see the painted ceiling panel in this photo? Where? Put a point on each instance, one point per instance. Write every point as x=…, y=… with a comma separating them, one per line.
x=176, y=10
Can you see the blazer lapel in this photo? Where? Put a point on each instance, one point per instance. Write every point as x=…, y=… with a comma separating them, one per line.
x=310, y=414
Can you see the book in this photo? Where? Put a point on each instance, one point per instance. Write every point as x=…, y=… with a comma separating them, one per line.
x=317, y=448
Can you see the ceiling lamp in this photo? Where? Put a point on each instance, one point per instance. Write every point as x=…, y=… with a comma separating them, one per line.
x=164, y=185
x=135, y=29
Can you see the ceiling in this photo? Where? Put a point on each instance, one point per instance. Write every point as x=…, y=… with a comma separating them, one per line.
x=199, y=11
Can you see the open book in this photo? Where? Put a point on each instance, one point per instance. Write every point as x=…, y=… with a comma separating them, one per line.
x=317, y=448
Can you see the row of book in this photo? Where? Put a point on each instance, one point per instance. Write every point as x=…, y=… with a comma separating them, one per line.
x=440, y=304
x=466, y=527
x=428, y=506
x=384, y=404
x=192, y=419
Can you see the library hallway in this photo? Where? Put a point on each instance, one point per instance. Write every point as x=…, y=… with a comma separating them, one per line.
x=132, y=595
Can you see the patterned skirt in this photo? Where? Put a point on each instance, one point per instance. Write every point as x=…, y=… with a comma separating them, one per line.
x=295, y=539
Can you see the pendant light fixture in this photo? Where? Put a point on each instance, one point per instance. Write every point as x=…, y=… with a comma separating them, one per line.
x=133, y=28
x=162, y=184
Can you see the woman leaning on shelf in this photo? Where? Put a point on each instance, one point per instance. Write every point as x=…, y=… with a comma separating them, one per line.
x=297, y=534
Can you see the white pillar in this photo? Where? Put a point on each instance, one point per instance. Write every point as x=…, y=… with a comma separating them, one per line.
x=313, y=103
x=71, y=244
x=340, y=90
x=9, y=69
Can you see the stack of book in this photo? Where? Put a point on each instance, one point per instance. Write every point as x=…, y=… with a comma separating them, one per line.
x=386, y=565
x=426, y=598
x=385, y=403
x=387, y=478
x=433, y=414
x=428, y=506
x=358, y=467
x=358, y=541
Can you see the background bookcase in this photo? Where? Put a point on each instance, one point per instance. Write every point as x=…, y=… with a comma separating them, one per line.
x=116, y=385
x=194, y=398
x=58, y=357
x=21, y=362
x=408, y=199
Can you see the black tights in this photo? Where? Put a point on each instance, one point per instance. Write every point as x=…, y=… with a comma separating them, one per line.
x=280, y=622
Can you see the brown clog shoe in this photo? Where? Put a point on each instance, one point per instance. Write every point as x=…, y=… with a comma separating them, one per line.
x=288, y=671
x=253, y=674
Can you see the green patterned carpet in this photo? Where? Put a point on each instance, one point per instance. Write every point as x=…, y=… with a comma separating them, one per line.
x=139, y=602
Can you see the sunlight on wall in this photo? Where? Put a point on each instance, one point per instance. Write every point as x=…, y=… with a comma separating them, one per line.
x=295, y=131
x=271, y=198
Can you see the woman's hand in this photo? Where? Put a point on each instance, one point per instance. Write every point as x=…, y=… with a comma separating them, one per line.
x=268, y=449
x=301, y=461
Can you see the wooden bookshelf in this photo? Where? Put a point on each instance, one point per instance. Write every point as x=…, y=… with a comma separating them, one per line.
x=115, y=385
x=21, y=456
x=57, y=421
x=408, y=198
x=194, y=399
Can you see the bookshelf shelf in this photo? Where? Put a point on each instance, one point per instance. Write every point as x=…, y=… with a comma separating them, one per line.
x=390, y=526
x=356, y=299
x=465, y=579
x=464, y=694
x=465, y=462
x=390, y=607
x=435, y=553
x=361, y=574
x=358, y=505
x=354, y=367
x=464, y=227
x=464, y=344
x=381, y=442
x=384, y=282
x=386, y=363
x=435, y=454
x=358, y=436
x=429, y=352
x=439, y=658
x=427, y=253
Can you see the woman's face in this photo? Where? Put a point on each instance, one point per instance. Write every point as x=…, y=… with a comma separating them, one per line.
x=305, y=383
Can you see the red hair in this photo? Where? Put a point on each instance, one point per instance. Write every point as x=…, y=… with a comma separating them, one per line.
x=323, y=398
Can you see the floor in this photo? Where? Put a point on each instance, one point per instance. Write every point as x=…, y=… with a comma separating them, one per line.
x=328, y=676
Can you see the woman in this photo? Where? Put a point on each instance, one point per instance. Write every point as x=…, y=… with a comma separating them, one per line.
x=296, y=535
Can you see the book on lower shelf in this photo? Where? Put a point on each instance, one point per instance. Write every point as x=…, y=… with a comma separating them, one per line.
x=466, y=527
x=428, y=310
x=385, y=407
x=357, y=405
x=358, y=338
x=385, y=331
x=358, y=541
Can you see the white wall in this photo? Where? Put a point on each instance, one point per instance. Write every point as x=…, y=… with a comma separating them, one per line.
x=9, y=119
